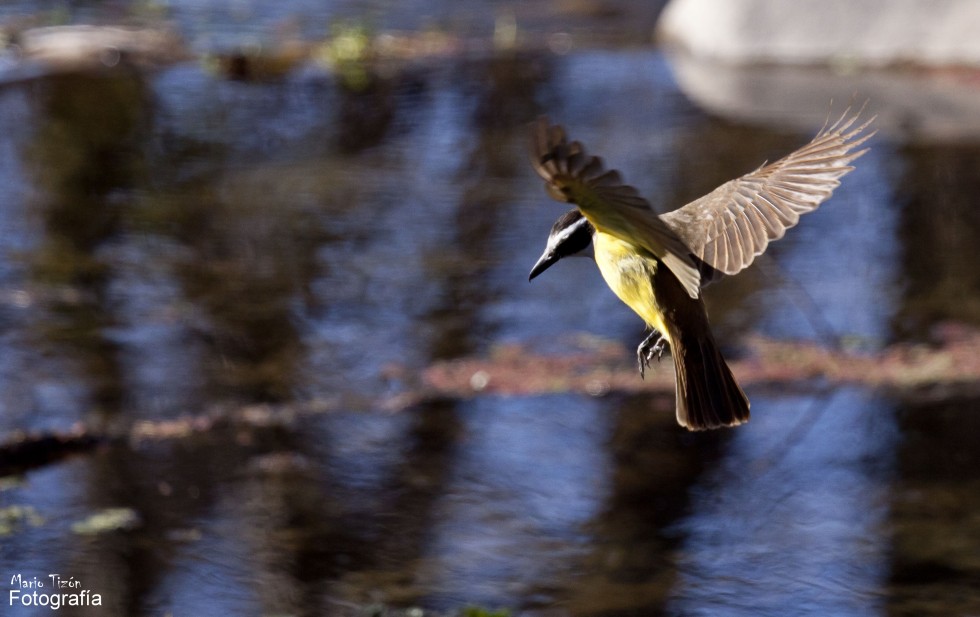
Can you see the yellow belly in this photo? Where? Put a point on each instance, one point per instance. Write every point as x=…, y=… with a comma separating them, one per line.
x=629, y=271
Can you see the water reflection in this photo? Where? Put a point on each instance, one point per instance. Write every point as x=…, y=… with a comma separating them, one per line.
x=632, y=564
x=806, y=530
x=935, y=565
x=934, y=194
x=85, y=157
x=247, y=263
x=528, y=475
x=367, y=110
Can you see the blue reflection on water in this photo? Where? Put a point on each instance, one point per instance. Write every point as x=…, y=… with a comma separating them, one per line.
x=840, y=261
x=529, y=475
x=791, y=524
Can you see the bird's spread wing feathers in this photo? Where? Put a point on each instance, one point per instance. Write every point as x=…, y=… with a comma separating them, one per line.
x=611, y=206
x=730, y=226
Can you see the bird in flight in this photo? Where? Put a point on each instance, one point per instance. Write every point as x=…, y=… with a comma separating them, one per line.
x=658, y=263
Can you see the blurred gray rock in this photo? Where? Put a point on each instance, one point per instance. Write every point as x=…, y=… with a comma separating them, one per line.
x=869, y=33
x=794, y=63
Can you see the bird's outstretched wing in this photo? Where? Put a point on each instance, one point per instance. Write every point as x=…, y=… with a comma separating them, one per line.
x=730, y=226
x=611, y=206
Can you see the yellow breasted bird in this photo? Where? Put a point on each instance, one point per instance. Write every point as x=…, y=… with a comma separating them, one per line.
x=657, y=264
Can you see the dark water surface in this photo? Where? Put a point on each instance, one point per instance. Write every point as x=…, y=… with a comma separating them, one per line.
x=177, y=243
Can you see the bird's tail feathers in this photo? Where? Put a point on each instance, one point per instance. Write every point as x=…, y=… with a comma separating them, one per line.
x=707, y=394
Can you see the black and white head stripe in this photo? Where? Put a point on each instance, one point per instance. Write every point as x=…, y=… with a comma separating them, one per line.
x=571, y=234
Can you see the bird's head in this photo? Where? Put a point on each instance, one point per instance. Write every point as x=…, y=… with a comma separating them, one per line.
x=571, y=236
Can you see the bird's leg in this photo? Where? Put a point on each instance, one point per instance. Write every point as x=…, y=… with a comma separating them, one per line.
x=651, y=347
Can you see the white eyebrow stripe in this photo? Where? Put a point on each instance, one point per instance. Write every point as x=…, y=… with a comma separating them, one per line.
x=568, y=231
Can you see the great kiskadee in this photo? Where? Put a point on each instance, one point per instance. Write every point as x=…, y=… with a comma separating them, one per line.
x=657, y=264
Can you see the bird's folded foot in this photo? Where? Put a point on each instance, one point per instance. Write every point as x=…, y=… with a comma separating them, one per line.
x=652, y=347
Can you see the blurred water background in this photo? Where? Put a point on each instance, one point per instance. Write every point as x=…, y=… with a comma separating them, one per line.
x=238, y=229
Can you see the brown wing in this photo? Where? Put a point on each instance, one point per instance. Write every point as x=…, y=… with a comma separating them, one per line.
x=730, y=226
x=611, y=206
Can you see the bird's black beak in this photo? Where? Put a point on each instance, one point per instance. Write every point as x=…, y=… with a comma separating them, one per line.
x=544, y=262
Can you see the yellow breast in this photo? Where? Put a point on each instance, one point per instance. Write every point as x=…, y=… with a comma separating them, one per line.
x=629, y=272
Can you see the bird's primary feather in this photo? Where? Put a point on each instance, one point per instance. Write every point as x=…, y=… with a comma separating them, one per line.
x=732, y=225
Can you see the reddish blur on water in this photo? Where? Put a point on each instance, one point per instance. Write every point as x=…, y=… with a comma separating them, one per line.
x=242, y=229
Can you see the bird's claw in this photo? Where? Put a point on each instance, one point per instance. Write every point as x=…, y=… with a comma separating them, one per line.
x=652, y=347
